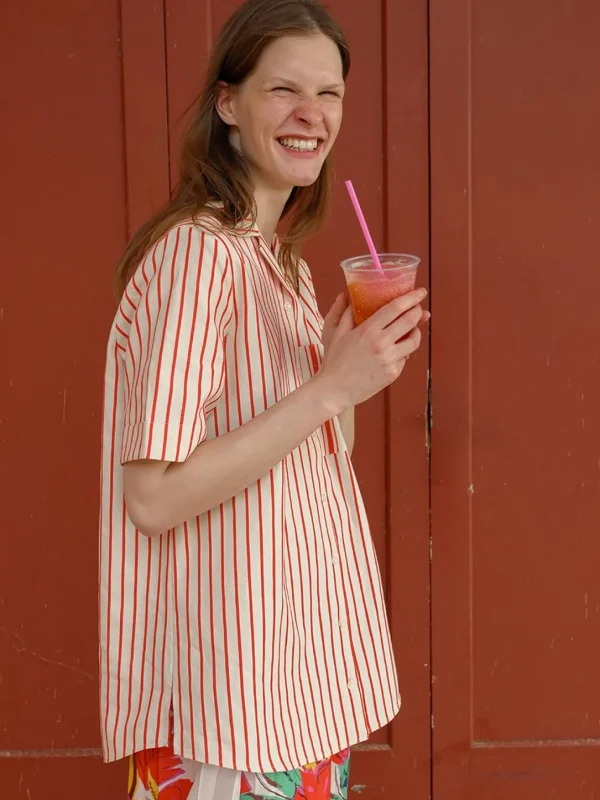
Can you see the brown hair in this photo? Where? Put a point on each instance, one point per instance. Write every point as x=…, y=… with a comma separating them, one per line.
x=211, y=169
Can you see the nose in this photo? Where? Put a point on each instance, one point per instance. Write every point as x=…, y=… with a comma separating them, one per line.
x=309, y=112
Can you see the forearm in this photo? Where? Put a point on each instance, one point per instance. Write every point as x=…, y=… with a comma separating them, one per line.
x=347, y=424
x=223, y=467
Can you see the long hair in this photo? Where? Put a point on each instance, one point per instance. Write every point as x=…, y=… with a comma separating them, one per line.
x=211, y=170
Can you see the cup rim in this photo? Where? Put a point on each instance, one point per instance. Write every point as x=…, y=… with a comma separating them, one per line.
x=357, y=263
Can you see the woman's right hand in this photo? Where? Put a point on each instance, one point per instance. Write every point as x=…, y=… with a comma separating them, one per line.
x=361, y=361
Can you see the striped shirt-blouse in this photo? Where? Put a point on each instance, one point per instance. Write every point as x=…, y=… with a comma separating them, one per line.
x=260, y=624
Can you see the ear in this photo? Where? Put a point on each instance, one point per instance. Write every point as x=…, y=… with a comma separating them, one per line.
x=225, y=103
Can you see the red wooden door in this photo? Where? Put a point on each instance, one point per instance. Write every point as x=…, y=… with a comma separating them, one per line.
x=95, y=94
x=516, y=391
x=80, y=154
x=384, y=149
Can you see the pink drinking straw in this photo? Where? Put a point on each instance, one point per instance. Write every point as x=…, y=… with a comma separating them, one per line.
x=363, y=225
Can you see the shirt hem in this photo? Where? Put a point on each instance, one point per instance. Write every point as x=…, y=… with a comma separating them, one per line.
x=255, y=767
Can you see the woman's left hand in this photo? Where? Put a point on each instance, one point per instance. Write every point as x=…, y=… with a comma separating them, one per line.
x=332, y=320
x=335, y=314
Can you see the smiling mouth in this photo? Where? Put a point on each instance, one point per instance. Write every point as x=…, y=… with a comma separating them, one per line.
x=300, y=145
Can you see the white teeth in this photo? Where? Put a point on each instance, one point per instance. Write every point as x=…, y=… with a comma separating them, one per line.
x=300, y=144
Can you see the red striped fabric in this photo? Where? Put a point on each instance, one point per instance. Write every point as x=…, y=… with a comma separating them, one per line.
x=262, y=623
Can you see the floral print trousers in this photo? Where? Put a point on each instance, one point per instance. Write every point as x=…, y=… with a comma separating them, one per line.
x=159, y=774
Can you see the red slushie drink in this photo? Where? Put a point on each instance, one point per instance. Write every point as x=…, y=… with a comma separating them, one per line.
x=371, y=288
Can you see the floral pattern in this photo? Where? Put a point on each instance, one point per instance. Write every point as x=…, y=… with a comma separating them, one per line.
x=324, y=780
x=159, y=774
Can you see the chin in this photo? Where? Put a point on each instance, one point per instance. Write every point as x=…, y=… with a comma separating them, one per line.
x=306, y=182
x=303, y=179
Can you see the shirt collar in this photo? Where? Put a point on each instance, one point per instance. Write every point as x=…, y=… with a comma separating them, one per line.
x=246, y=227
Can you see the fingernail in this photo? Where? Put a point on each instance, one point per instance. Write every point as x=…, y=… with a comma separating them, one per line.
x=422, y=292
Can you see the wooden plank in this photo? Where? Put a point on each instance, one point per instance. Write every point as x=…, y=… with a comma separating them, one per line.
x=406, y=151
x=67, y=778
x=188, y=36
x=516, y=601
x=62, y=228
x=145, y=118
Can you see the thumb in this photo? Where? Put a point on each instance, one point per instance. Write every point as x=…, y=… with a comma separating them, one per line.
x=346, y=323
x=335, y=313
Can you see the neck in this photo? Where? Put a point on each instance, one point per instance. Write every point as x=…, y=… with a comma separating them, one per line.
x=269, y=208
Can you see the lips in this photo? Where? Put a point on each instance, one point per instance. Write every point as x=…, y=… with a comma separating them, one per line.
x=300, y=145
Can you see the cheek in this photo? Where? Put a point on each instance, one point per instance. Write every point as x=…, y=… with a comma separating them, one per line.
x=270, y=115
x=334, y=122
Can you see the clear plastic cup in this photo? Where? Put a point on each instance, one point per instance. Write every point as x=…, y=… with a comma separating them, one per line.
x=371, y=288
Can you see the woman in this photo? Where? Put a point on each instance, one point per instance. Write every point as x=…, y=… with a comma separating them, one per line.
x=243, y=628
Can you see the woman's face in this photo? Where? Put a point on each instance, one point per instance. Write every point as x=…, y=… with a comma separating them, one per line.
x=286, y=115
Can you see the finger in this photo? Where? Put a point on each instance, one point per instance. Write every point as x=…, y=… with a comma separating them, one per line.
x=404, y=324
x=409, y=345
x=386, y=315
x=345, y=324
x=336, y=311
x=425, y=318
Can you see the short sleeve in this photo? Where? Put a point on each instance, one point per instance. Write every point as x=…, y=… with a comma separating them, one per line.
x=175, y=360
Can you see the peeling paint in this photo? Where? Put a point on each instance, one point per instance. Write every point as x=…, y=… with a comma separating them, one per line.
x=19, y=646
x=358, y=788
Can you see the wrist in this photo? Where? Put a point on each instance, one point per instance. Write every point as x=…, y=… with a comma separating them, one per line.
x=325, y=397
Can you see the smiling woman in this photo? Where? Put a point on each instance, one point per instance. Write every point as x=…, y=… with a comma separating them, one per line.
x=285, y=117
x=244, y=639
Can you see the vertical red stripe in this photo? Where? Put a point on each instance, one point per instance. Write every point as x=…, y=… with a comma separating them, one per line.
x=120, y=672
x=275, y=582
x=144, y=642
x=189, y=713
x=224, y=585
x=133, y=633
x=161, y=349
x=217, y=719
x=154, y=672
x=166, y=691
x=176, y=653
x=201, y=674
x=189, y=357
x=264, y=636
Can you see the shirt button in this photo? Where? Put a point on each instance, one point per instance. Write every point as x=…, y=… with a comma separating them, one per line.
x=335, y=561
x=288, y=306
x=324, y=497
x=351, y=684
x=342, y=623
